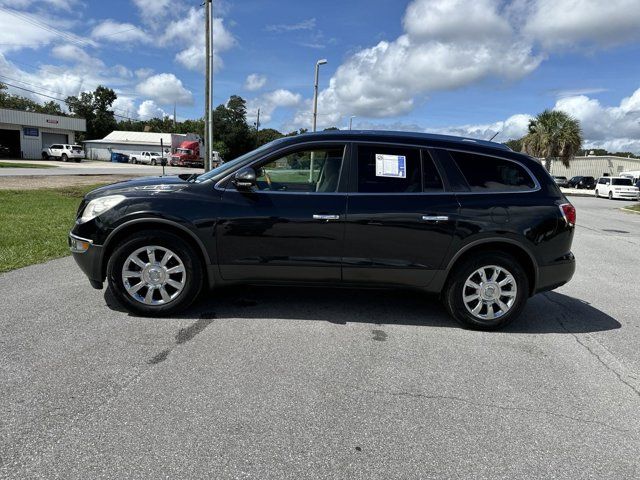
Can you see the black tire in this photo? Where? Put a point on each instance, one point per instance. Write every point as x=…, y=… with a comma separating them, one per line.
x=597, y=194
x=64, y=157
x=454, y=290
x=610, y=195
x=153, y=162
x=45, y=156
x=194, y=272
x=78, y=160
x=134, y=161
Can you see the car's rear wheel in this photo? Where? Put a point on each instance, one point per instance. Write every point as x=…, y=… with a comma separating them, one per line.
x=597, y=194
x=45, y=156
x=487, y=291
x=155, y=274
x=64, y=157
x=153, y=162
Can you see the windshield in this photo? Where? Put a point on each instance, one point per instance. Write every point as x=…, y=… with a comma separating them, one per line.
x=622, y=181
x=182, y=150
x=227, y=166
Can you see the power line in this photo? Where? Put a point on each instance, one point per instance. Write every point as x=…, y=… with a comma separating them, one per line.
x=56, y=98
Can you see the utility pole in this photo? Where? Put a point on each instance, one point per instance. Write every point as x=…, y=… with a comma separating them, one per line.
x=207, y=88
x=175, y=116
x=351, y=121
x=258, y=122
x=210, y=104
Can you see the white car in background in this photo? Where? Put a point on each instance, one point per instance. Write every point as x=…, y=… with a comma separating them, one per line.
x=616, y=187
x=148, y=158
x=59, y=151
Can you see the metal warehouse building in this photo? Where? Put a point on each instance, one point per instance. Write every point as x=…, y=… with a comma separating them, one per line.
x=25, y=134
x=134, y=143
x=595, y=166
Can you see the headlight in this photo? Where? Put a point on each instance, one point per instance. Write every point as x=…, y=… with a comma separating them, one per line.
x=99, y=206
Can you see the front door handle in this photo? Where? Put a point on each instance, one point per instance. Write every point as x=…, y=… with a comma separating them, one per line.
x=326, y=217
x=435, y=218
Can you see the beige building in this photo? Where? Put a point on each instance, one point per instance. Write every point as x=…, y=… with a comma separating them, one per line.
x=595, y=166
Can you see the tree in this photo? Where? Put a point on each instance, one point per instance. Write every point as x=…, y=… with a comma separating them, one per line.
x=515, y=145
x=553, y=135
x=95, y=108
x=266, y=135
x=230, y=127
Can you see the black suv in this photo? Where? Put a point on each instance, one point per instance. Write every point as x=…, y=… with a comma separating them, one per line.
x=582, y=182
x=470, y=220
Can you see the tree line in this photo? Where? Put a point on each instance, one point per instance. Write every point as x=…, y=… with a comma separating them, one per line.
x=232, y=134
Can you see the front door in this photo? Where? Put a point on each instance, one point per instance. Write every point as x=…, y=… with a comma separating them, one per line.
x=400, y=222
x=291, y=225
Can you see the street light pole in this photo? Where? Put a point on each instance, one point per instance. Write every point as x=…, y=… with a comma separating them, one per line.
x=315, y=93
x=315, y=112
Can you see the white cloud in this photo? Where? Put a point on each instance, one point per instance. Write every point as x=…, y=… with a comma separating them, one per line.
x=269, y=102
x=144, y=72
x=17, y=32
x=116, y=32
x=166, y=89
x=125, y=106
x=569, y=23
x=152, y=10
x=447, y=44
x=513, y=127
x=74, y=54
x=308, y=24
x=255, y=82
x=148, y=109
x=188, y=32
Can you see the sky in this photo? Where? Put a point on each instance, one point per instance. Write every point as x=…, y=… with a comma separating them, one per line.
x=472, y=68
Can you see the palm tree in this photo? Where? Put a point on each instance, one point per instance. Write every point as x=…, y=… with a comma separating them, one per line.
x=553, y=135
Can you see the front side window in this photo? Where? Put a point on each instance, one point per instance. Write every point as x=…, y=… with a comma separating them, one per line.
x=309, y=170
x=491, y=174
x=389, y=169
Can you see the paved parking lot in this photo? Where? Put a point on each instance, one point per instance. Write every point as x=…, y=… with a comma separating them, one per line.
x=321, y=383
x=89, y=167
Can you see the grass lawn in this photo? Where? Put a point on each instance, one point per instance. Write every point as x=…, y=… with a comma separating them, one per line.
x=35, y=223
x=24, y=165
x=635, y=208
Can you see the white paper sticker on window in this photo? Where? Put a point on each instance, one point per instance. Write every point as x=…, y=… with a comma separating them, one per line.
x=394, y=166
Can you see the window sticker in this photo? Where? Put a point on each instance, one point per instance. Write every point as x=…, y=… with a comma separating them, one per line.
x=394, y=166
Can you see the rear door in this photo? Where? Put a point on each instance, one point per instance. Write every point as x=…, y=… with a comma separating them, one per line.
x=400, y=220
x=291, y=225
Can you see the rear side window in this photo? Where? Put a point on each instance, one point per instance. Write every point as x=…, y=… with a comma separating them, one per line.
x=389, y=169
x=622, y=181
x=491, y=174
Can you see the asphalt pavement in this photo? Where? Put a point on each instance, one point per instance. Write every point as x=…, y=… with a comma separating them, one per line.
x=90, y=167
x=326, y=383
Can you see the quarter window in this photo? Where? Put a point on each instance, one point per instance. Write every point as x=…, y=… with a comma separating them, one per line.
x=388, y=169
x=493, y=174
x=311, y=170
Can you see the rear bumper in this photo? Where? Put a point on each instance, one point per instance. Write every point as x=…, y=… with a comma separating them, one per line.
x=557, y=274
x=90, y=262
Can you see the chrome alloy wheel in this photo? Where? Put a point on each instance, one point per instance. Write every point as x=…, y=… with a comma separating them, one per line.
x=489, y=292
x=153, y=275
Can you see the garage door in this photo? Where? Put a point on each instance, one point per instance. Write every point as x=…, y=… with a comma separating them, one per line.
x=10, y=143
x=49, y=139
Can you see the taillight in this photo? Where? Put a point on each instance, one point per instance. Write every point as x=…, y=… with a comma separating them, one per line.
x=569, y=213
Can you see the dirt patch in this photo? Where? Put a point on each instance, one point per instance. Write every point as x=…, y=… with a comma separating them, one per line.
x=34, y=182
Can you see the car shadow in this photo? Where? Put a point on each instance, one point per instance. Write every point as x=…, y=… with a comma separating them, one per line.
x=550, y=312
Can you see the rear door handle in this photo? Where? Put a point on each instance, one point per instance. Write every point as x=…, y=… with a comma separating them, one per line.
x=326, y=217
x=435, y=218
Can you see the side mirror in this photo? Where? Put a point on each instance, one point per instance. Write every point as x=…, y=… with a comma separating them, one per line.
x=245, y=179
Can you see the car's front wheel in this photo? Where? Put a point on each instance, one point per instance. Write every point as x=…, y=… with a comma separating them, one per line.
x=64, y=157
x=155, y=274
x=486, y=291
x=610, y=195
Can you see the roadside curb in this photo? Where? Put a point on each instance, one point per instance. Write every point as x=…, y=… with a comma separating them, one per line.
x=573, y=194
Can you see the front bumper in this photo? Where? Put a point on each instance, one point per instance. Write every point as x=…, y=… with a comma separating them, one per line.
x=89, y=259
x=557, y=274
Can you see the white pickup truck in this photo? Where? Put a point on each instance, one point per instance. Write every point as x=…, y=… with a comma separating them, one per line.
x=63, y=152
x=148, y=158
